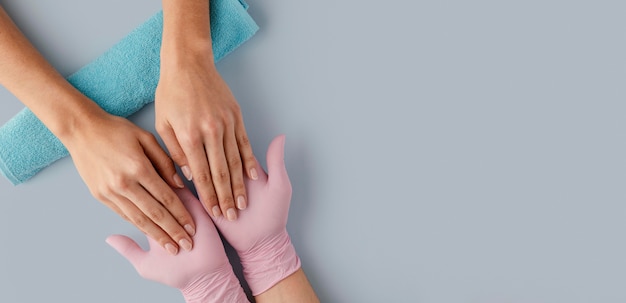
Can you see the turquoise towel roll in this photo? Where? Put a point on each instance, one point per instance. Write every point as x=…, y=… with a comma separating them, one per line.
x=121, y=81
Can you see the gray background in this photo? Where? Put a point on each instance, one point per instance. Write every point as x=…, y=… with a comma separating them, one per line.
x=440, y=151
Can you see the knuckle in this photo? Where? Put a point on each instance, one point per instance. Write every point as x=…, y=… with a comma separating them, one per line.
x=140, y=220
x=161, y=128
x=135, y=169
x=203, y=177
x=244, y=141
x=223, y=175
x=148, y=136
x=238, y=187
x=183, y=219
x=211, y=200
x=228, y=202
x=191, y=139
x=119, y=183
x=212, y=127
x=234, y=162
x=168, y=201
x=166, y=164
x=156, y=214
x=250, y=162
x=178, y=157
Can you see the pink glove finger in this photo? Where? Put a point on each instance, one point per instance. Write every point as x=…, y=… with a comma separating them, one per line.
x=127, y=247
x=196, y=209
x=276, y=161
x=202, y=274
x=259, y=235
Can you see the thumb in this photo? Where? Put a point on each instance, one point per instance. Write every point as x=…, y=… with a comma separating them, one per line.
x=276, y=160
x=126, y=247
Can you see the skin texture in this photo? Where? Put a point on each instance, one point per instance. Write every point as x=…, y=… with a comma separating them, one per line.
x=271, y=268
x=204, y=266
x=197, y=115
x=130, y=172
x=295, y=288
x=202, y=275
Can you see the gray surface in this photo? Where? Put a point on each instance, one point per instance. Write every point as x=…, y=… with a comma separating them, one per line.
x=440, y=151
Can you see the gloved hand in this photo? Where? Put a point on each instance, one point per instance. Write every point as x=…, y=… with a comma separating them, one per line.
x=203, y=274
x=260, y=235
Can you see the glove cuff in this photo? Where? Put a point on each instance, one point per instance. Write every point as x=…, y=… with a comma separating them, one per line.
x=269, y=262
x=220, y=286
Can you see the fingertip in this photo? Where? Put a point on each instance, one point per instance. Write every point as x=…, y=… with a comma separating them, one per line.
x=241, y=203
x=231, y=214
x=171, y=249
x=215, y=211
x=253, y=174
x=277, y=146
x=191, y=231
x=112, y=240
x=276, y=155
x=178, y=181
x=186, y=172
x=281, y=138
x=123, y=245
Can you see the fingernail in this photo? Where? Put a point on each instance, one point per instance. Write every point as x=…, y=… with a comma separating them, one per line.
x=187, y=172
x=253, y=174
x=178, y=181
x=171, y=249
x=185, y=244
x=190, y=230
x=216, y=211
x=231, y=214
x=241, y=202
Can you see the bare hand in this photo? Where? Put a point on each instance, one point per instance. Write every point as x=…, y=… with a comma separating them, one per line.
x=201, y=124
x=124, y=167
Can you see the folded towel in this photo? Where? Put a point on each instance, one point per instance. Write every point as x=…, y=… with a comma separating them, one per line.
x=121, y=81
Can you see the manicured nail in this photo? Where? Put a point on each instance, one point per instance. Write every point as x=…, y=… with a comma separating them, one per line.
x=241, y=202
x=171, y=249
x=187, y=172
x=190, y=230
x=216, y=211
x=185, y=244
x=231, y=214
x=253, y=174
x=178, y=181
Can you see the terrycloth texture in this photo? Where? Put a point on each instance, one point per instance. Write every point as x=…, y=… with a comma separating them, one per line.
x=121, y=81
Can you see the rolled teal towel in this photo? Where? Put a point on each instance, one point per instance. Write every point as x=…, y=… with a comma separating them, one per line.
x=121, y=81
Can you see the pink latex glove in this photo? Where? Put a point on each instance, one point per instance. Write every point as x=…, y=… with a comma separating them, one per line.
x=260, y=235
x=203, y=274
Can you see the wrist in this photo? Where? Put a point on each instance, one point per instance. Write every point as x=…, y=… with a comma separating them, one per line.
x=186, y=31
x=219, y=286
x=75, y=118
x=80, y=125
x=174, y=62
x=269, y=262
x=180, y=50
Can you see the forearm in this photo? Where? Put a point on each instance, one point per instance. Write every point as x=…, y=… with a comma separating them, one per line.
x=186, y=32
x=294, y=288
x=25, y=73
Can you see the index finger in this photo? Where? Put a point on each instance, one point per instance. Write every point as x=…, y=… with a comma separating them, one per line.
x=164, y=194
